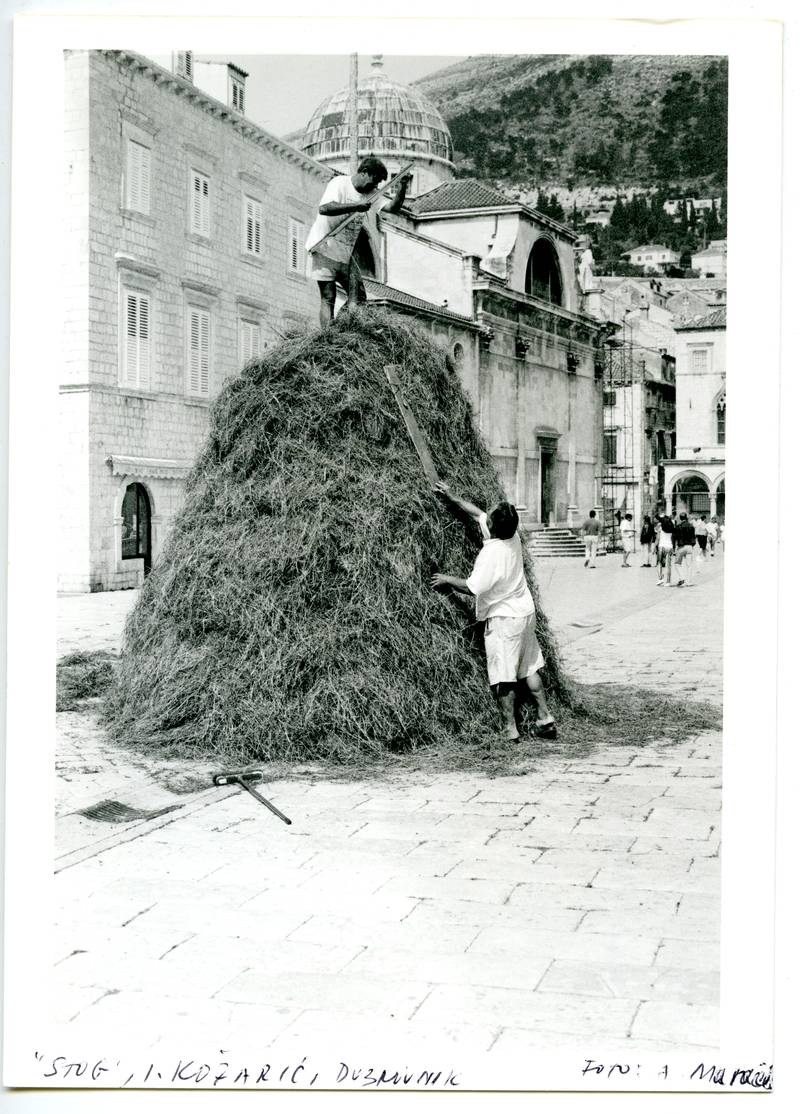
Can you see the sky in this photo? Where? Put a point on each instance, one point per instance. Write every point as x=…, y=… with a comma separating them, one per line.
x=284, y=89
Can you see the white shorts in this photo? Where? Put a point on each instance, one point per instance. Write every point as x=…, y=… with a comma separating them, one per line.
x=627, y=544
x=512, y=648
x=324, y=269
x=665, y=542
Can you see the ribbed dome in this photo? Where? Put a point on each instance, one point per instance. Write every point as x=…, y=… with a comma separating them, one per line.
x=393, y=120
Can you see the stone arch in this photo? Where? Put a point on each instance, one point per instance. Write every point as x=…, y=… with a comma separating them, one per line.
x=690, y=491
x=543, y=277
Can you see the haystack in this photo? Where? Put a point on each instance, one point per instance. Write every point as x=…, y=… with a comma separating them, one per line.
x=290, y=614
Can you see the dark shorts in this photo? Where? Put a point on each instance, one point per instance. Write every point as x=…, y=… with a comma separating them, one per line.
x=701, y=540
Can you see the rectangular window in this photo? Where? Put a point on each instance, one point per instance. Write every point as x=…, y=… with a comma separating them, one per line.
x=252, y=221
x=297, y=255
x=200, y=204
x=137, y=177
x=609, y=398
x=183, y=64
x=198, y=349
x=135, y=340
x=610, y=448
x=699, y=359
x=249, y=341
x=237, y=95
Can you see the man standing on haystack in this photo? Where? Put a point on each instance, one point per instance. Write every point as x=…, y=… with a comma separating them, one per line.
x=503, y=599
x=344, y=195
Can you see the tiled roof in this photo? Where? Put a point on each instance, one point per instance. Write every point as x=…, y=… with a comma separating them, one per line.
x=463, y=193
x=378, y=291
x=649, y=247
x=717, y=319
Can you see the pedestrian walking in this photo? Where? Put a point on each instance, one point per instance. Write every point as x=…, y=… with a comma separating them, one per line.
x=665, y=550
x=591, y=535
x=701, y=536
x=684, y=549
x=628, y=533
x=713, y=534
x=647, y=539
x=504, y=601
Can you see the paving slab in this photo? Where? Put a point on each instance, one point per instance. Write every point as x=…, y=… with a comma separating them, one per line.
x=496, y=915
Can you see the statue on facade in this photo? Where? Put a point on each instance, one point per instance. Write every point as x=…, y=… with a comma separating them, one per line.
x=586, y=268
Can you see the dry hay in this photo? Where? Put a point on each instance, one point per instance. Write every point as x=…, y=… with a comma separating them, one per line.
x=290, y=614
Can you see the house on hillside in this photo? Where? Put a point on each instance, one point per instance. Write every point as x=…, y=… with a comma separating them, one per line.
x=600, y=218
x=655, y=258
x=695, y=478
x=712, y=262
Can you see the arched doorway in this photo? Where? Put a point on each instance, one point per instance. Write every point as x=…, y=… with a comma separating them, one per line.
x=719, y=500
x=691, y=494
x=136, y=526
x=543, y=274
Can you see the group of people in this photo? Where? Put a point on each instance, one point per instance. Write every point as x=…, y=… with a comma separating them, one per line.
x=671, y=541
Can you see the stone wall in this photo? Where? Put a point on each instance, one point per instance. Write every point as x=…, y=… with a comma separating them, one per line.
x=112, y=98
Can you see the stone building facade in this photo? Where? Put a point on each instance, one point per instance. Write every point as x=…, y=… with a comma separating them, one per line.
x=695, y=480
x=185, y=229
x=185, y=225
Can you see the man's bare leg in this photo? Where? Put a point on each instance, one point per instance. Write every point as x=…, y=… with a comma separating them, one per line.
x=534, y=683
x=327, y=294
x=505, y=695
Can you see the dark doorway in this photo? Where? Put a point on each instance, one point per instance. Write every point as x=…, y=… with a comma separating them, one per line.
x=136, y=532
x=547, y=471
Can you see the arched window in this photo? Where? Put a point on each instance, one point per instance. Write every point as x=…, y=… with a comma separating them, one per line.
x=543, y=274
x=721, y=420
x=136, y=533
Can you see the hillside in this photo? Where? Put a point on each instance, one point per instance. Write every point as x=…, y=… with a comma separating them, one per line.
x=586, y=120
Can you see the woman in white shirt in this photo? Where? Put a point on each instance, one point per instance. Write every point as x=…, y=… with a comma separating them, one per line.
x=504, y=601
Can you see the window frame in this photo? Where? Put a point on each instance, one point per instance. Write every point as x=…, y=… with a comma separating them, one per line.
x=257, y=251
x=138, y=180
x=297, y=236
x=203, y=311
x=196, y=173
x=721, y=416
x=138, y=382
x=249, y=322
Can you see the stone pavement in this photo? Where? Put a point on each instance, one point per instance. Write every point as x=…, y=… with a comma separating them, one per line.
x=575, y=905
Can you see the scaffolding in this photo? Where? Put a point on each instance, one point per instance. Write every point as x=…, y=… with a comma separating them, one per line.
x=618, y=474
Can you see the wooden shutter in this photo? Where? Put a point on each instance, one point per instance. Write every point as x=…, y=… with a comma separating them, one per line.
x=136, y=353
x=201, y=204
x=198, y=352
x=138, y=177
x=249, y=341
x=254, y=215
x=295, y=245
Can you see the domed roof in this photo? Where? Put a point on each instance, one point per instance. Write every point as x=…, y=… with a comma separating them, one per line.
x=392, y=120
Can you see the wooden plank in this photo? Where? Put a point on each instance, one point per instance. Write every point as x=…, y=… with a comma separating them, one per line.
x=340, y=241
x=416, y=434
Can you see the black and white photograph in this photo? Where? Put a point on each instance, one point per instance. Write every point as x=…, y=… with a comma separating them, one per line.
x=396, y=730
